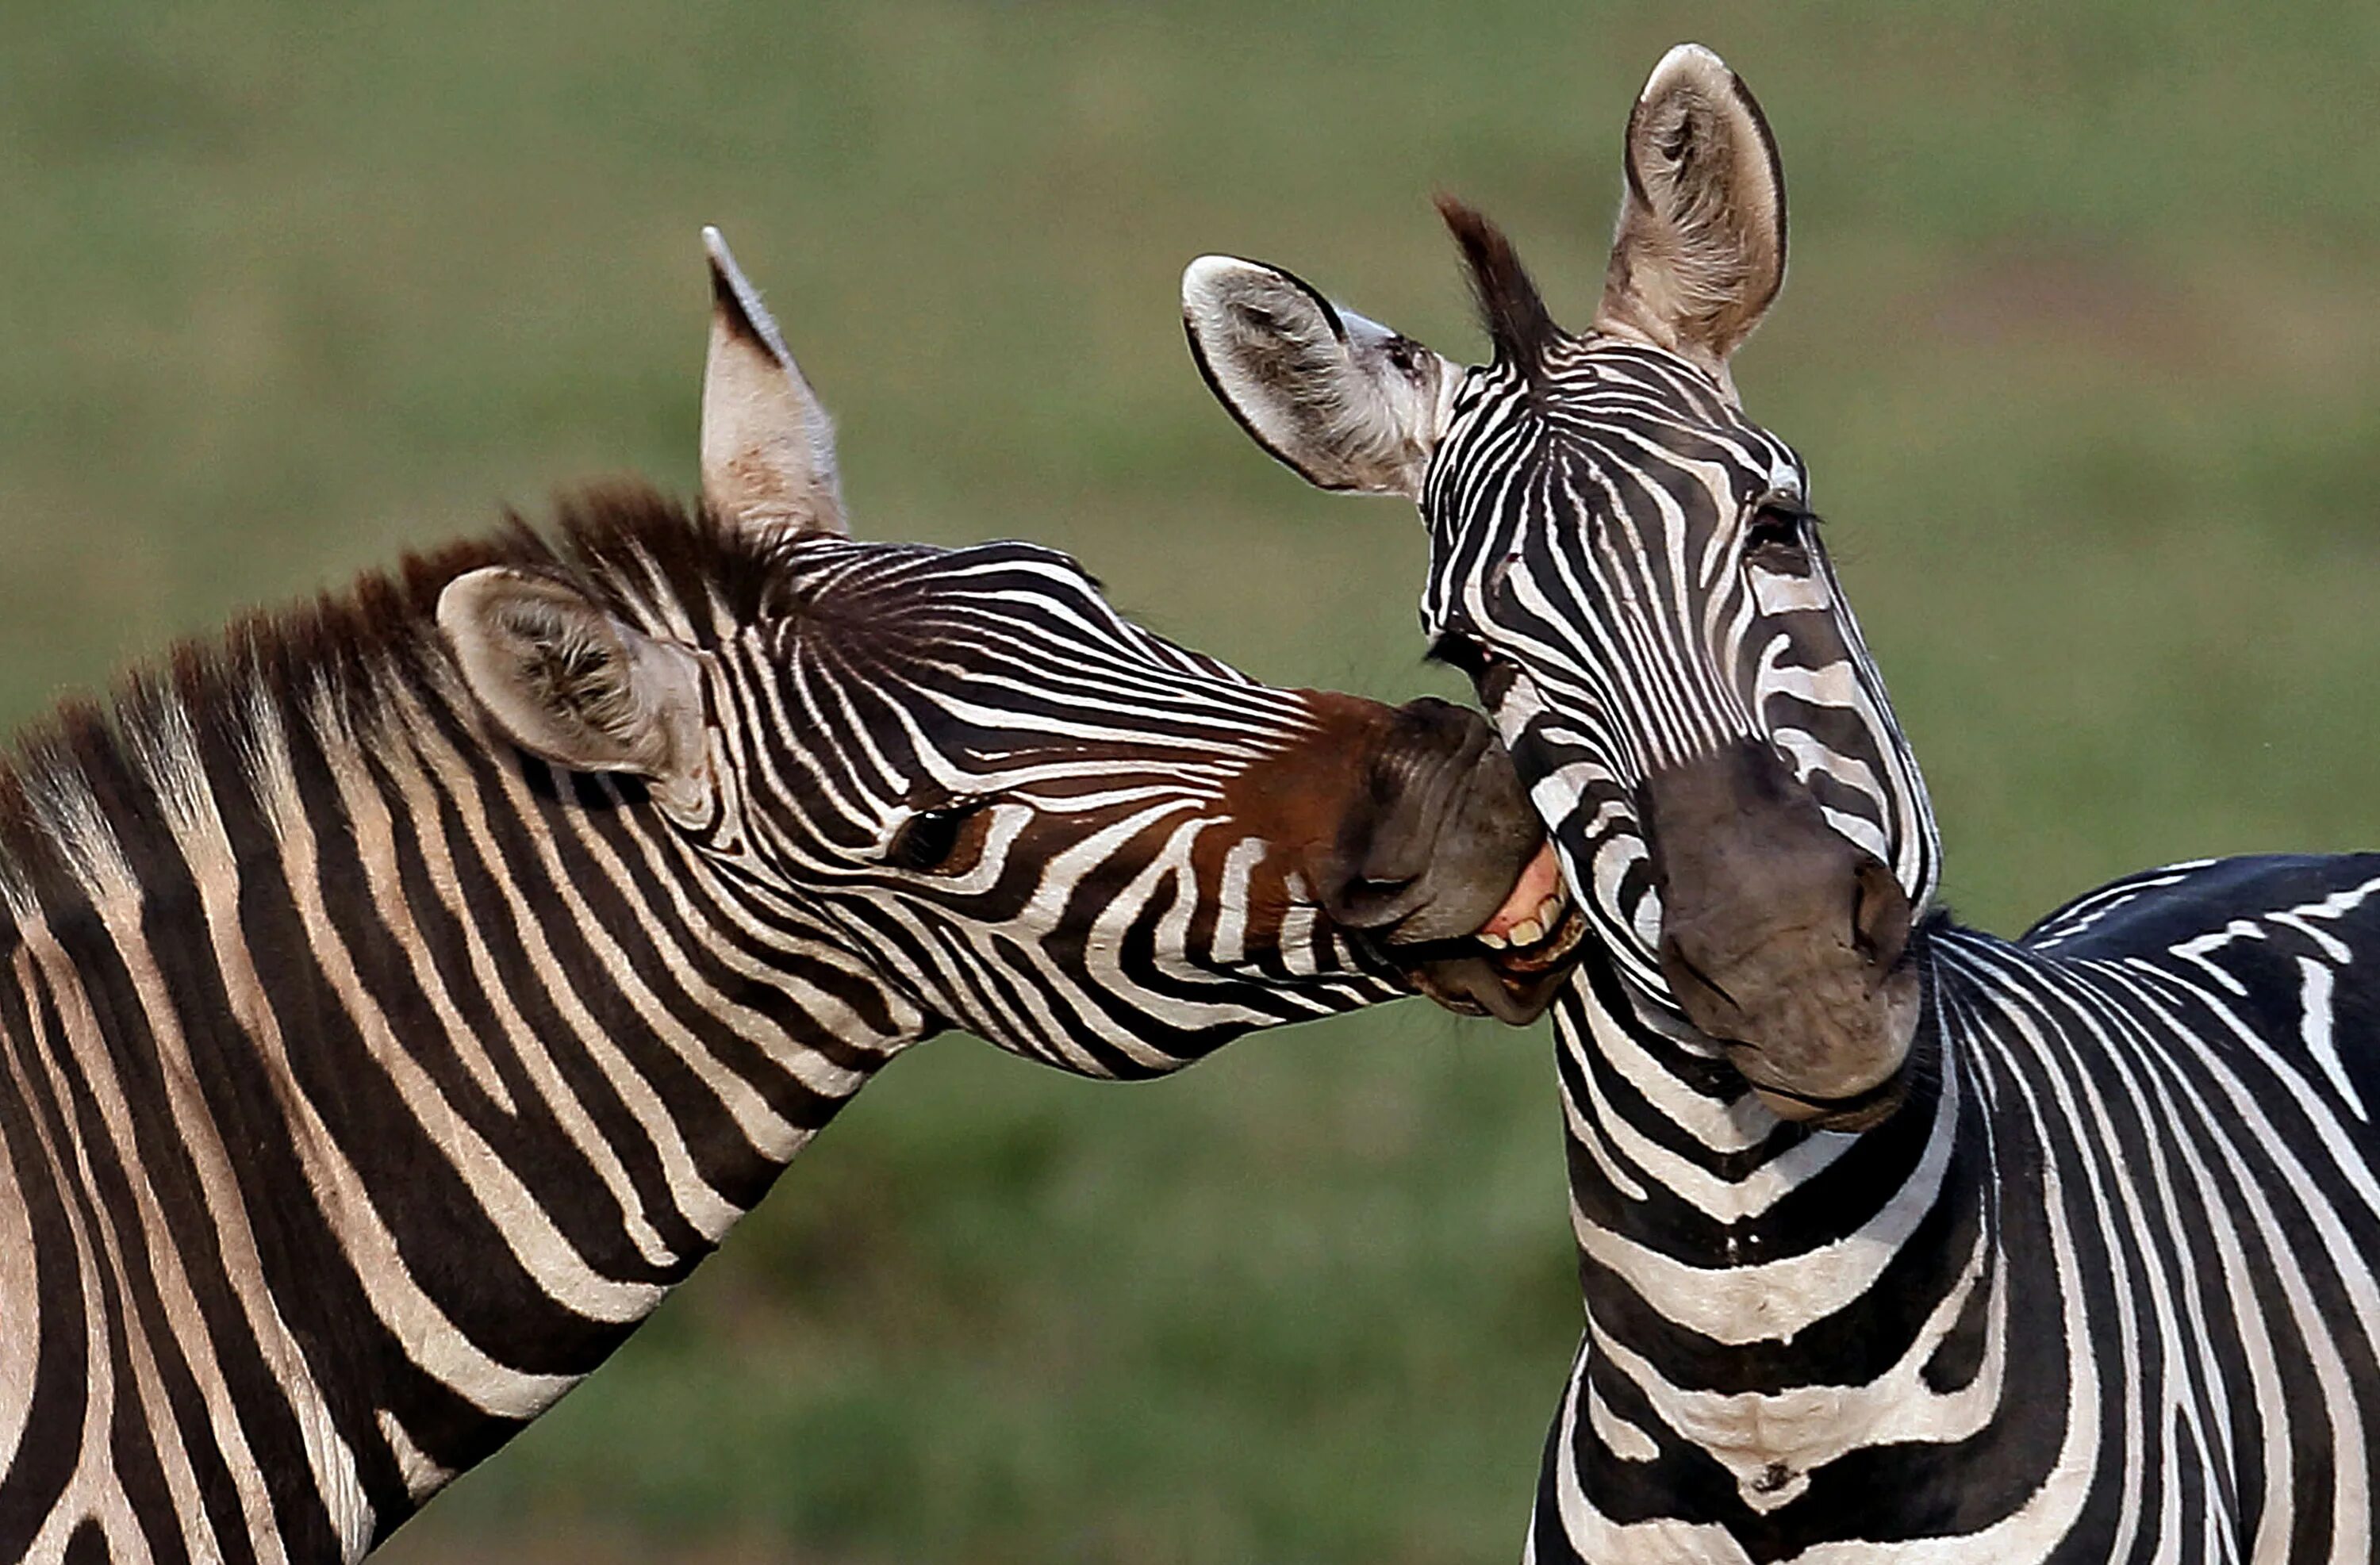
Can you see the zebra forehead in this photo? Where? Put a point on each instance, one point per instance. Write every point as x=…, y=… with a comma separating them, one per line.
x=1600, y=429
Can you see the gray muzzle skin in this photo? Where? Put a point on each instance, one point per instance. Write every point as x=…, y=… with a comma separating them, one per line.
x=1781, y=939
x=1433, y=863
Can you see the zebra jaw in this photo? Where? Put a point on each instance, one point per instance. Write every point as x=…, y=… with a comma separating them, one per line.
x=1514, y=964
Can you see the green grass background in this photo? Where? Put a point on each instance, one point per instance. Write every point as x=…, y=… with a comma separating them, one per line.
x=2082, y=343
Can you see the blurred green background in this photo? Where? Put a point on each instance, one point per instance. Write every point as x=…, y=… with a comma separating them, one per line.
x=2083, y=342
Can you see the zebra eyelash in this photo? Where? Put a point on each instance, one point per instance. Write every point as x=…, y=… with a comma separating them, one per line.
x=1779, y=525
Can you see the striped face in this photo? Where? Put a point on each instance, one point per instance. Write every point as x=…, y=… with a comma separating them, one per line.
x=1024, y=815
x=1630, y=570
x=1068, y=835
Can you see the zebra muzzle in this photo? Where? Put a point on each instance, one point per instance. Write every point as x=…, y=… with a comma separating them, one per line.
x=1450, y=874
x=1781, y=939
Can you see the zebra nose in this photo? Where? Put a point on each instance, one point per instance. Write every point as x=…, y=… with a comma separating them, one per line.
x=1448, y=849
x=1781, y=939
x=1446, y=832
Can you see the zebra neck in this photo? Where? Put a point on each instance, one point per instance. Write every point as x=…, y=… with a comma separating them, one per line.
x=1760, y=1298
x=431, y=1072
x=1712, y=1236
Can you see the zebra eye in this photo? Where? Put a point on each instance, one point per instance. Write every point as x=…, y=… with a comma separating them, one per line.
x=928, y=838
x=1777, y=530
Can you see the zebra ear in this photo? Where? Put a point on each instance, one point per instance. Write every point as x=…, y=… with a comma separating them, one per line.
x=1346, y=402
x=768, y=447
x=565, y=681
x=1700, y=251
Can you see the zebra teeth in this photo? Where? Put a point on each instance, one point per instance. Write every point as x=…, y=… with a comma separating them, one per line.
x=1563, y=934
x=1540, y=926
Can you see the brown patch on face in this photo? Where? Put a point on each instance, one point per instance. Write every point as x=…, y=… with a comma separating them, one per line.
x=1780, y=938
x=1298, y=802
x=1409, y=829
x=1299, y=799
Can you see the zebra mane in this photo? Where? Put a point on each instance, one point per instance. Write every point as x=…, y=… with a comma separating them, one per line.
x=1509, y=306
x=81, y=788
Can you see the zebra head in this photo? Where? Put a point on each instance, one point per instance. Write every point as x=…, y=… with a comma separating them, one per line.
x=1630, y=570
x=1026, y=814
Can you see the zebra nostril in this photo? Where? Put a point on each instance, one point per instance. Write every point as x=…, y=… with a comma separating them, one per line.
x=1365, y=904
x=1880, y=913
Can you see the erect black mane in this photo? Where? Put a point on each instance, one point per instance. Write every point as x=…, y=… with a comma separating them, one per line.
x=647, y=559
x=1509, y=306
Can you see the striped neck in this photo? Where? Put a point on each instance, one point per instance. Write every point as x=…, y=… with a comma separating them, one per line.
x=1723, y=1251
x=419, y=1074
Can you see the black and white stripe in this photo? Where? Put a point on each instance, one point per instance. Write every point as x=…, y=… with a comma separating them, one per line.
x=1631, y=648
x=402, y=994
x=363, y=1082
x=2102, y=1285
x=2101, y=1288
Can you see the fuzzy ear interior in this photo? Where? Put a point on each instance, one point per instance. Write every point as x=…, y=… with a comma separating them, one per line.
x=768, y=446
x=565, y=681
x=1700, y=250
x=1346, y=402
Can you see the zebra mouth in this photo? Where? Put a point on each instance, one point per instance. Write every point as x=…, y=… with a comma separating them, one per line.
x=1512, y=965
x=1564, y=928
x=1533, y=911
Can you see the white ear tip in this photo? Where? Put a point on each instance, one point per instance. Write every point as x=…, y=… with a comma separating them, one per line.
x=1208, y=272
x=461, y=597
x=722, y=262
x=1686, y=59
x=728, y=285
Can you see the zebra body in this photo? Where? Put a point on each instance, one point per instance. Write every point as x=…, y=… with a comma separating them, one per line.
x=403, y=995
x=1899, y=1242
x=2004, y=1311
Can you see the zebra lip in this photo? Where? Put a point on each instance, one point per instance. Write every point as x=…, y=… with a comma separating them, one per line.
x=1488, y=974
x=1860, y=1110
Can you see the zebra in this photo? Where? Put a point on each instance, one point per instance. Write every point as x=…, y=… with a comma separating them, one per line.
x=405, y=992
x=1898, y=1241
